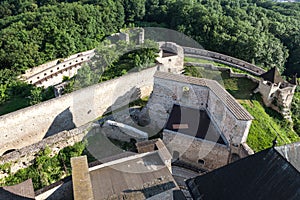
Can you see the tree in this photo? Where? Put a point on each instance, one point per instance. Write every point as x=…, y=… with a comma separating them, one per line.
x=35, y=96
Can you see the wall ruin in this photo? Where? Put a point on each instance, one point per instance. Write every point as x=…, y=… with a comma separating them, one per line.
x=200, y=153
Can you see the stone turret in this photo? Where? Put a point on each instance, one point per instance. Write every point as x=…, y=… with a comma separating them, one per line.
x=276, y=92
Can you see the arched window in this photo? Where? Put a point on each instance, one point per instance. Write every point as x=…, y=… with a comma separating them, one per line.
x=234, y=157
x=201, y=162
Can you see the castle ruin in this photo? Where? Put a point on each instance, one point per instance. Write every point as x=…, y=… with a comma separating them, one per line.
x=276, y=92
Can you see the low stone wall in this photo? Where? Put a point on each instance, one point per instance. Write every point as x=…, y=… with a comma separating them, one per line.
x=231, y=73
x=30, y=125
x=24, y=157
x=201, y=153
x=245, y=150
x=210, y=55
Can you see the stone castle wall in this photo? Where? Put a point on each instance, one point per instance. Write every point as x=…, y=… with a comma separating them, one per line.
x=32, y=124
x=168, y=92
x=232, y=74
x=173, y=64
x=25, y=156
x=234, y=130
x=240, y=64
x=201, y=153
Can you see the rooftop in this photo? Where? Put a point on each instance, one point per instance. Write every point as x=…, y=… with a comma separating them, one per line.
x=291, y=152
x=21, y=191
x=264, y=175
x=139, y=178
x=272, y=75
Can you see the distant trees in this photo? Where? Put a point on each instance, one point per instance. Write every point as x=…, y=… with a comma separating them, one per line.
x=263, y=32
x=55, y=31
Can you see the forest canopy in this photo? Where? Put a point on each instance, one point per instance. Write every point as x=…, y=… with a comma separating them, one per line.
x=265, y=33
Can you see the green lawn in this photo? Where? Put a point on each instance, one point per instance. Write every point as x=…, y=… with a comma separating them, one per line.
x=217, y=64
x=266, y=127
x=240, y=88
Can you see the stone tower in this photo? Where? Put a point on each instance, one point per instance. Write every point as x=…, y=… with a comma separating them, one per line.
x=276, y=92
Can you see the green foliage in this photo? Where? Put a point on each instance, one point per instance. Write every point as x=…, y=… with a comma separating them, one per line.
x=46, y=169
x=296, y=111
x=55, y=30
x=240, y=88
x=114, y=60
x=265, y=33
x=35, y=96
x=135, y=10
x=267, y=123
x=5, y=168
x=217, y=64
x=140, y=102
x=265, y=128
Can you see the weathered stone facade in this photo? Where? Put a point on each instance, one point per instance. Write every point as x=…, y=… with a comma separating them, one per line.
x=232, y=120
x=171, y=57
x=52, y=73
x=30, y=125
x=277, y=93
x=201, y=153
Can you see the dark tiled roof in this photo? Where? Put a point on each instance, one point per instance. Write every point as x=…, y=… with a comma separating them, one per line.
x=291, y=152
x=265, y=175
x=233, y=106
x=21, y=191
x=272, y=75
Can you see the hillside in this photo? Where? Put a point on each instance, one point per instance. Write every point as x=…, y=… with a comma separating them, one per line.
x=267, y=124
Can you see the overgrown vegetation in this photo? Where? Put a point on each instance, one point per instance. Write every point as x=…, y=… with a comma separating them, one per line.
x=46, y=169
x=15, y=94
x=268, y=124
x=296, y=110
x=114, y=61
x=262, y=32
x=240, y=88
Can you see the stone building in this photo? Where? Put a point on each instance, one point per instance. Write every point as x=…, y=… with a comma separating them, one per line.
x=203, y=124
x=276, y=92
x=170, y=58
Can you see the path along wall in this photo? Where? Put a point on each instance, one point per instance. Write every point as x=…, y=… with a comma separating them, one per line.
x=30, y=125
x=210, y=55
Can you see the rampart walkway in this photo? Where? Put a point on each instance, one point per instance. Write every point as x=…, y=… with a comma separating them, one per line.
x=51, y=73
